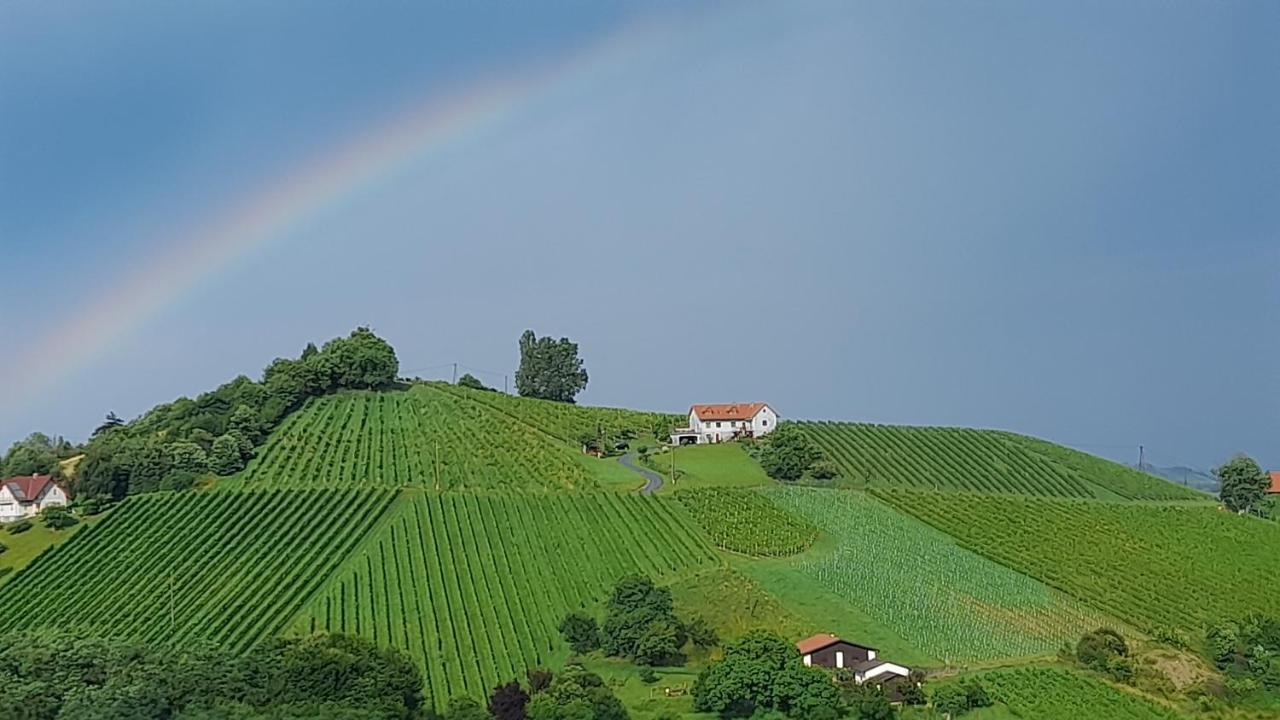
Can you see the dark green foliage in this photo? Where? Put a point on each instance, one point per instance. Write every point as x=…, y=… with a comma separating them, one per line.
x=57, y=517
x=823, y=470
x=787, y=453
x=648, y=675
x=1248, y=648
x=575, y=694
x=37, y=454
x=464, y=708
x=111, y=422
x=508, y=702
x=471, y=381
x=60, y=675
x=762, y=672
x=218, y=430
x=17, y=527
x=866, y=702
x=961, y=697
x=640, y=623
x=1244, y=484
x=3, y=548
x=539, y=679
x=1105, y=651
x=549, y=369
x=701, y=634
x=581, y=631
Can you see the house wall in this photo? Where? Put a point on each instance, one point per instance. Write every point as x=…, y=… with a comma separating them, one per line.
x=10, y=509
x=52, y=495
x=826, y=657
x=765, y=421
x=885, y=669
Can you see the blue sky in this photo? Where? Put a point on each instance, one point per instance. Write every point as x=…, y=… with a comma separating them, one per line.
x=1056, y=218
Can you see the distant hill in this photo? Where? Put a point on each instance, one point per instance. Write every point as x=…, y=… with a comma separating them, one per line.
x=1189, y=477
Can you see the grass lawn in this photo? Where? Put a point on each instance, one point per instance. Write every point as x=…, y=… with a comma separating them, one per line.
x=822, y=611
x=719, y=465
x=647, y=702
x=610, y=474
x=24, y=547
x=734, y=605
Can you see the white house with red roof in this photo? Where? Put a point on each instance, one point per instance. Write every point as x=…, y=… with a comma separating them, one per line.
x=1274, y=487
x=26, y=496
x=726, y=421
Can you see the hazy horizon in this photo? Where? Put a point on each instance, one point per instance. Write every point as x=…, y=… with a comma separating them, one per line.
x=1056, y=220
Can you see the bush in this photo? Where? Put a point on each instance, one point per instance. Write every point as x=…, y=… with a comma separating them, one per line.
x=20, y=526
x=823, y=470
x=788, y=453
x=1102, y=650
x=648, y=676
x=57, y=517
x=3, y=548
x=581, y=631
x=178, y=480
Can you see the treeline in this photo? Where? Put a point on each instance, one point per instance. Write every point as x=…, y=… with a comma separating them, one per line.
x=173, y=445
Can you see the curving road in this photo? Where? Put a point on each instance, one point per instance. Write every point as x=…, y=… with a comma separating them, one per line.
x=653, y=480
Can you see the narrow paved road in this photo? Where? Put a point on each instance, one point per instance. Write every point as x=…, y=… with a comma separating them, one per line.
x=653, y=480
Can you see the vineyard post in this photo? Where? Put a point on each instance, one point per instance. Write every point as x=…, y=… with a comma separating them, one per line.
x=437, y=464
x=172, y=618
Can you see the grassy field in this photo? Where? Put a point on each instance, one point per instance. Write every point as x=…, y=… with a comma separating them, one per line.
x=1152, y=565
x=702, y=466
x=473, y=585
x=745, y=522
x=228, y=567
x=421, y=437
x=949, y=602
x=26, y=546
x=939, y=458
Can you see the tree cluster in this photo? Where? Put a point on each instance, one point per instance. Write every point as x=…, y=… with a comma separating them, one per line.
x=572, y=694
x=1248, y=652
x=37, y=454
x=788, y=454
x=1244, y=485
x=1104, y=650
x=762, y=673
x=67, y=677
x=174, y=444
x=549, y=369
x=959, y=698
x=640, y=623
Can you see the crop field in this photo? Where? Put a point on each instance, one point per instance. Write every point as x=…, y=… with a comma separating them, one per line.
x=745, y=522
x=984, y=461
x=1155, y=566
x=1124, y=481
x=474, y=585
x=1058, y=694
x=563, y=420
x=947, y=601
x=420, y=437
x=229, y=567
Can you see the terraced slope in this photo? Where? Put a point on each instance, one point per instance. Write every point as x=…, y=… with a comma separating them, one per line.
x=423, y=437
x=565, y=421
x=945, y=600
x=228, y=567
x=984, y=461
x=1152, y=565
x=745, y=522
x=473, y=585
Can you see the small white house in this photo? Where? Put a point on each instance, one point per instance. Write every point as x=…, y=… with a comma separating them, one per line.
x=725, y=422
x=863, y=661
x=26, y=496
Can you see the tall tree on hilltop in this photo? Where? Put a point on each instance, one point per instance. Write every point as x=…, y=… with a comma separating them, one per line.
x=549, y=369
x=112, y=422
x=1244, y=484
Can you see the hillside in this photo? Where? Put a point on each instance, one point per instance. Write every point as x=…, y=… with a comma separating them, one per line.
x=985, y=461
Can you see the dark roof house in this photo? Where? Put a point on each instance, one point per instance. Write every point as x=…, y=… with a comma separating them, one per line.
x=826, y=650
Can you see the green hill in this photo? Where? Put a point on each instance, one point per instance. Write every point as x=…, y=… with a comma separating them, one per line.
x=985, y=461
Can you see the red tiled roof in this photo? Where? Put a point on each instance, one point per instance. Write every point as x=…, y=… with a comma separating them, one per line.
x=28, y=487
x=1275, y=482
x=822, y=640
x=728, y=411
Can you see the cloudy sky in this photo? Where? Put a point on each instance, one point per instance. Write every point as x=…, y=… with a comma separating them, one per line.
x=1056, y=218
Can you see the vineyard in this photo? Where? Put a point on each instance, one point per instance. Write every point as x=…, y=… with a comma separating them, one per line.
x=1058, y=694
x=566, y=421
x=420, y=437
x=474, y=585
x=743, y=521
x=949, y=602
x=229, y=567
x=1153, y=565
x=982, y=461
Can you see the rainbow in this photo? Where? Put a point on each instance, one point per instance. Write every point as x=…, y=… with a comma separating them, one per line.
x=185, y=260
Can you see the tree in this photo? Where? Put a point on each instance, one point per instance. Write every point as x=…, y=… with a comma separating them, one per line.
x=581, y=631
x=471, y=381
x=508, y=702
x=761, y=672
x=788, y=453
x=539, y=679
x=701, y=634
x=361, y=360
x=549, y=369
x=35, y=455
x=112, y=422
x=1244, y=484
x=224, y=456
x=576, y=694
x=56, y=517
x=640, y=614
x=464, y=708
x=660, y=643
x=188, y=456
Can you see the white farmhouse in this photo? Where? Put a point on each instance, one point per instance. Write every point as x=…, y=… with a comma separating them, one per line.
x=725, y=422
x=26, y=496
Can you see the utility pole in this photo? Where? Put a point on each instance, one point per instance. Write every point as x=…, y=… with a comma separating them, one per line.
x=455, y=373
x=1141, y=456
x=437, y=463
x=505, y=391
x=673, y=461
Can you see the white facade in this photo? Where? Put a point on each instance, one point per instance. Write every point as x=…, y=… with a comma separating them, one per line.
x=13, y=508
x=882, y=669
x=724, y=427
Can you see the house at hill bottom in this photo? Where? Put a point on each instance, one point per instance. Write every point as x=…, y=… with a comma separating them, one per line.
x=865, y=664
x=725, y=422
x=26, y=496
